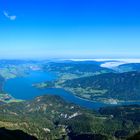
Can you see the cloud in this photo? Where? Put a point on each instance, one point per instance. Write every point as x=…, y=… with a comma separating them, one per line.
x=11, y=17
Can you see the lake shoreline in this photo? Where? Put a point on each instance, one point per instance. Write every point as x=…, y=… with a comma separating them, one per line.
x=25, y=91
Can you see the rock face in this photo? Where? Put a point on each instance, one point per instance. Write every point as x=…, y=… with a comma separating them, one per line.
x=6, y=134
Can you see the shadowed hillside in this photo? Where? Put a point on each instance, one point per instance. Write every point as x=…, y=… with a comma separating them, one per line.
x=6, y=134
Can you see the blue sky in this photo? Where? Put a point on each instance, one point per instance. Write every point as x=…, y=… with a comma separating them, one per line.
x=69, y=29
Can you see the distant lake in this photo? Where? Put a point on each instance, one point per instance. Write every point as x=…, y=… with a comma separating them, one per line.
x=21, y=88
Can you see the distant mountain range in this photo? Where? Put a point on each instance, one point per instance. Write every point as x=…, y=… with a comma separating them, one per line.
x=129, y=67
x=76, y=67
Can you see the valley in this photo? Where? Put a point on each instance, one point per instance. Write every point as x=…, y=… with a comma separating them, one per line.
x=70, y=100
x=69, y=70
x=103, y=85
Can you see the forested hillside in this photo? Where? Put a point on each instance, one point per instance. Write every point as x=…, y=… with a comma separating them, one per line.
x=52, y=118
x=121, y=86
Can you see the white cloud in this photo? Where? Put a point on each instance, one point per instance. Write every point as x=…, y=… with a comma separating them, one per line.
x=119, y=62
x=11, y=17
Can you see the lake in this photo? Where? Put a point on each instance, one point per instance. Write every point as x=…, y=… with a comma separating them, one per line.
x=21, y=88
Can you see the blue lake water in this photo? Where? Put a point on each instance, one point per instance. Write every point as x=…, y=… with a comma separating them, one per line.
x=21, y=88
